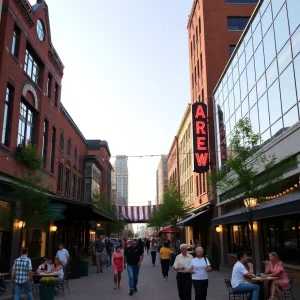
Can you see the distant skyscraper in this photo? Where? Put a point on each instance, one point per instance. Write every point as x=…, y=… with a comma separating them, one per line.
x=156, y=200
x=121, y=171
x=162, y=178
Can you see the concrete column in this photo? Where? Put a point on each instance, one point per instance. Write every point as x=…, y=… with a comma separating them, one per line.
x=256, y=247
x=223, y=244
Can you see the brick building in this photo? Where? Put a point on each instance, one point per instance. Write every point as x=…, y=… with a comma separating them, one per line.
x=32, y=114
x=214, y=28
x=173, y=163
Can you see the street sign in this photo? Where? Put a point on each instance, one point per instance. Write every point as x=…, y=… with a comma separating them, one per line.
x=55, y=211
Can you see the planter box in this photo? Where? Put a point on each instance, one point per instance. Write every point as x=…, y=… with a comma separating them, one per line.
x=47, y=291
x=84, y=269
x=75, y=270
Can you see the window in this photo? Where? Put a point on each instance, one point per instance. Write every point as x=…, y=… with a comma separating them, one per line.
x=61, y=142
x=15, y=43
x=199, y=25
x=241, y=1
x=7, y=116
x=239, y=238
x=74, y=179
x=202, y=95
x=197, y=35
x=231, y=49
x=191, y=46
x=198, y=71
x=52, y=158
x=59, y=178
x=26, y=126
x=197, y=186
x=237, y=23
x=69, y=149
x=194, y=42
x=67, y=183
x=45, y=142
x=49, y=84
x=56, y=94
x=75, y=155
x=79, y=190
x=32, y=66
x=201, y=62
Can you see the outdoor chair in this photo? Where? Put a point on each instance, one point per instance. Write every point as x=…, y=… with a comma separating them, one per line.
x=287, y=294
x=62, y=283
x=234, y=295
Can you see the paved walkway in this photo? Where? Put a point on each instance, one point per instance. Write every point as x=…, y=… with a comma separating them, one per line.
x=151, y=285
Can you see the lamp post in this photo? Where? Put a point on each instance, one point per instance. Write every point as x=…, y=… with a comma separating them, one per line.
x=250, y=203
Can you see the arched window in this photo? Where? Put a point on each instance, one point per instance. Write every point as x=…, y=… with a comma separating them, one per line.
x=69, y=148
x=61, y=141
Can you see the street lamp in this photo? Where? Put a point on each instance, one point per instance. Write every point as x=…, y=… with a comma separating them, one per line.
x=53, y=228
x=21, y=224
x=219, y=229
x=250, y=202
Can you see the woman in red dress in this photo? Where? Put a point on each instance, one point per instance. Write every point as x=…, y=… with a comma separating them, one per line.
x=118, y=265
x=275, y=269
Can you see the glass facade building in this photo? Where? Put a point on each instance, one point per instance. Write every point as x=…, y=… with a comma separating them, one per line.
x=262, y=78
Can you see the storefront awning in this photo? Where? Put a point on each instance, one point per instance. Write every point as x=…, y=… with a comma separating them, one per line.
x=80, y=211
x=168, y=230
x=187, y=221
x=286, y=205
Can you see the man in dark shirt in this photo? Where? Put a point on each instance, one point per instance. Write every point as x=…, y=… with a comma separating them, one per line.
x=100, y=248
x=109, y=250
x=133, y=256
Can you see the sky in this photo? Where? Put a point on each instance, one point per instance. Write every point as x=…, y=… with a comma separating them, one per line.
x=126, y=77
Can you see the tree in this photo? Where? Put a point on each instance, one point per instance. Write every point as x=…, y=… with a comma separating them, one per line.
x=250, y=174
x=136, y=235
x=172, y=209
x=110, y=208
x=130, y=234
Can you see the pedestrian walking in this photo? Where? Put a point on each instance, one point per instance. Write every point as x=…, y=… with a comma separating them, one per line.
x=134, y=256
x=109, y=249
x=153, y=251
x=118, y=265
x=199, y=267
x=21, y=276
x=148, y=245
x=183, y=277
x=100, y=249
x=165, y=253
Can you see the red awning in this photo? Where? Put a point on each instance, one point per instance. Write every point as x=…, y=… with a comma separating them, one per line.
x=168, y=230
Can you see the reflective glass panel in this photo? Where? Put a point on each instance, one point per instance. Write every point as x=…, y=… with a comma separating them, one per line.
x=287, y=87
x=281, y=28
x=291, y=117
x=284, y=57
x=251, y=74
x=261, y=86
x=259, y=61
x=277, y=129
x=244, y=85
x=242, y=63
x=269, y=46
x=249, y=50
x=229, y=82
x=231, y=103
x=235, y=74
x=264, y=6
x=276, y=5
x=263, y=110
x=238, y=113
x=296, y=42
x=274, y=102
x=265, y=137
x=237, y=95
x=266, y=20
x=272, y=73
x=257, y=36
x=252, y=97
x=297, y=74
x=293, y=10
x=245, y=107
x=254, y=119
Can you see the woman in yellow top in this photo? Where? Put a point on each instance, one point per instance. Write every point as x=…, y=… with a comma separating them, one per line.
x=165, y=253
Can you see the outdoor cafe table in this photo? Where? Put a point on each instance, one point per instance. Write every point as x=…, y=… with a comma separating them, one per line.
x=260, y=281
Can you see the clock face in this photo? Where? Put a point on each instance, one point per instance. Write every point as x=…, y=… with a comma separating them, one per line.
x=40, y=30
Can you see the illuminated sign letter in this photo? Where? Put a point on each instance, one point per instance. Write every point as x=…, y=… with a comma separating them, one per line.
x=200, y=137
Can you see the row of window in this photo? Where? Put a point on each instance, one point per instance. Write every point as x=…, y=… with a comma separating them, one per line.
x=33, y=66
x=69, y=185
x=200, y=184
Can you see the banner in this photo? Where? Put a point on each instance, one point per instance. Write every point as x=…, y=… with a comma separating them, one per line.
x=200, y=137
x=135, y=213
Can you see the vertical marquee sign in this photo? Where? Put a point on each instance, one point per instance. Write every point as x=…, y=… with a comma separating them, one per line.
x=200, y=137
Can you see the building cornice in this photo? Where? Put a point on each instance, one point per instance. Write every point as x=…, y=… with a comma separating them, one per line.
x=25, y=9
x=184, y=118
x=191, y=15
x=174, y=144
x=95, y=160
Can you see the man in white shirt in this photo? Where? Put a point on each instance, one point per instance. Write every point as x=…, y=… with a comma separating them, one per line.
x=240, y=273
x=63, y=255
x=184, y=278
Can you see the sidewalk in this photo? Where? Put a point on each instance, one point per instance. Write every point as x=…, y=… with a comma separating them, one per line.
x=151, y=285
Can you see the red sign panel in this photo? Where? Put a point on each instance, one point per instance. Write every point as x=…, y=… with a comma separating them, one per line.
x=200, y=137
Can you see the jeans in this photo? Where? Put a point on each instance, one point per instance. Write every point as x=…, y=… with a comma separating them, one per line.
x=133, y=274
x=184, y=285
x=27, y=289
x=200, y=287
x=165, y=267
x=153, y=255
x=251, y=288
x=108, y=258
